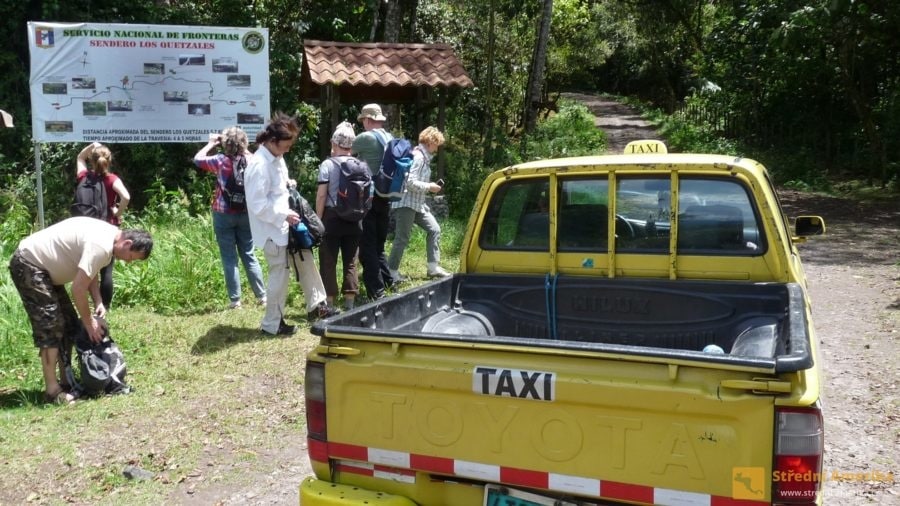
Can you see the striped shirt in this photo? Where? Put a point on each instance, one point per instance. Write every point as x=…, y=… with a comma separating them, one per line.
x=220, y=165
x=419, y=181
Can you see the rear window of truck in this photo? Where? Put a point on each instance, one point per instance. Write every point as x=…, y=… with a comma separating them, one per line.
x=715, y=216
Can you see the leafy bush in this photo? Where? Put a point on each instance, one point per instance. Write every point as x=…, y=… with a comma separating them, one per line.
x=570, y=132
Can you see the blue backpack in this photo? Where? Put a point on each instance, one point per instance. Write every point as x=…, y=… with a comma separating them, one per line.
x=394, y=169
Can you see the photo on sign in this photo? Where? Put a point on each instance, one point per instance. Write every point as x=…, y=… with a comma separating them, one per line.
x=154, y=69
x=175, y=96
x=93, y=108
x=119, y=105
x=224, y=64
x=236, y=80
x=192, y=59
x=55, y=88
x=244, y=118
x=198, y=109
x=84, y=83
x=58, y=126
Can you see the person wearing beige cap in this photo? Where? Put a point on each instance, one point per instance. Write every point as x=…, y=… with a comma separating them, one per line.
x=369, y=147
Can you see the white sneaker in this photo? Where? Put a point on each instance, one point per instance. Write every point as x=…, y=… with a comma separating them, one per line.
x=262, y=301
x=235, y=304
x=436, y=271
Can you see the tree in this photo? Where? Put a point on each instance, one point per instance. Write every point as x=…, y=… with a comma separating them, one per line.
x=533, y=94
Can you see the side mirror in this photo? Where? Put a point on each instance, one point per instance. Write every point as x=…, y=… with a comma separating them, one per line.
x=806, y=226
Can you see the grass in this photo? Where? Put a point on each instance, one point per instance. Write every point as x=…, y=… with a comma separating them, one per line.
x=212, y=395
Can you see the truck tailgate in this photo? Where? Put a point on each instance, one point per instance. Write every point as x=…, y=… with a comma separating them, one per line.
x=617, y=427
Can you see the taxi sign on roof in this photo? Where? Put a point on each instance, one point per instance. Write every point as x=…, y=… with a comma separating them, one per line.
x=645, y=146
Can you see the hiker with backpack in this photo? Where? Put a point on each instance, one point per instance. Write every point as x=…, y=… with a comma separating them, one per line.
x=71, y=251
x=343, y=198
x=369, y=146
x=268, y=204
x=412, y=208
x=229, y=211
x=100, y=194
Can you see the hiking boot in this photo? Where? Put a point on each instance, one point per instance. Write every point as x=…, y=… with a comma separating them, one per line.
x=397, y=278
x=436, y=271
x=323, y=310
x=283, y=330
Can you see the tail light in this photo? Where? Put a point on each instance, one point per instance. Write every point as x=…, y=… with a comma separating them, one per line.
x=799, y=446
x=315, y=401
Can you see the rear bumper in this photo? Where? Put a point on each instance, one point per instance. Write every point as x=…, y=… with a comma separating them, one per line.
x=315, y=492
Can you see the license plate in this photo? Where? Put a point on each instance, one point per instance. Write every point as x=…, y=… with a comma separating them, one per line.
x=495, y=495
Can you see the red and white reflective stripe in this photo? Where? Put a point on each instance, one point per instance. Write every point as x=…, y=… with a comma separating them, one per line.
x=376, y=471
x=401, y=464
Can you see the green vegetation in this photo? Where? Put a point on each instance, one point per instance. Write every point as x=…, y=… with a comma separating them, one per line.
x=570, y=132
x=809, y=88
x=207, y=384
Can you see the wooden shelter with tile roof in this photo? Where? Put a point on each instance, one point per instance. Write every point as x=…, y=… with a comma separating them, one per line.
x=335, y=73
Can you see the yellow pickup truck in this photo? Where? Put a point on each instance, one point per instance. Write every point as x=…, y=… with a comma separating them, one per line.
x=625, y=329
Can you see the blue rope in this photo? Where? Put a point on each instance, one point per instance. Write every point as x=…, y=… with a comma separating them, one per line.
x=547, y=304
x=550, y=300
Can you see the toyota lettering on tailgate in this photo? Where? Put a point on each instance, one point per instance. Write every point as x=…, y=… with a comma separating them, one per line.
x=537, y=385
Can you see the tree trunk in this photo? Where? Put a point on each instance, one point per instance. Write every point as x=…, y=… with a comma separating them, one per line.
x=538, y=62
x=376, y=20
x=487, y=150
x=392, y=21
x=392, y=18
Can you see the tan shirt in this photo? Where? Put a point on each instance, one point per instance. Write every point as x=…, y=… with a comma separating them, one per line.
x=76, y=243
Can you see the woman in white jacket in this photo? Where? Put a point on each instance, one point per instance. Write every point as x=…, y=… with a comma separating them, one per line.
x=266, y=187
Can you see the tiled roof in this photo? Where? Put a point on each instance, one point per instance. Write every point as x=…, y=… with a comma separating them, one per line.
x=384, y=64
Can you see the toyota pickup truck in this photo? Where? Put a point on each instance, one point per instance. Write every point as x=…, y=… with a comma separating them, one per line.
x=623, y=329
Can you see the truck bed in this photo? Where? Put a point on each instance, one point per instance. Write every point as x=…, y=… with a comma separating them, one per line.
x=669, y=320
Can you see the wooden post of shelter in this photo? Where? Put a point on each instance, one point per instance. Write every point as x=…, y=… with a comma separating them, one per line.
x=420, y=114
x=441, y=124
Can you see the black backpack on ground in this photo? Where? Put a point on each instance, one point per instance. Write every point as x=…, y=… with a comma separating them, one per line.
x=101, y=367
x=90, y=197
x=354, y=193
x=234, y=185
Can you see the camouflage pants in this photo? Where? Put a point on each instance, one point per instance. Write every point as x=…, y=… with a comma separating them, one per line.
x=54, y=322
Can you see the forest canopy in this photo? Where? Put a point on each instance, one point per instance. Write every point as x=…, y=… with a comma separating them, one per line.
x=812, y=85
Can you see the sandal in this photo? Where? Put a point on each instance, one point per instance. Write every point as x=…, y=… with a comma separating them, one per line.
x=62, y=397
